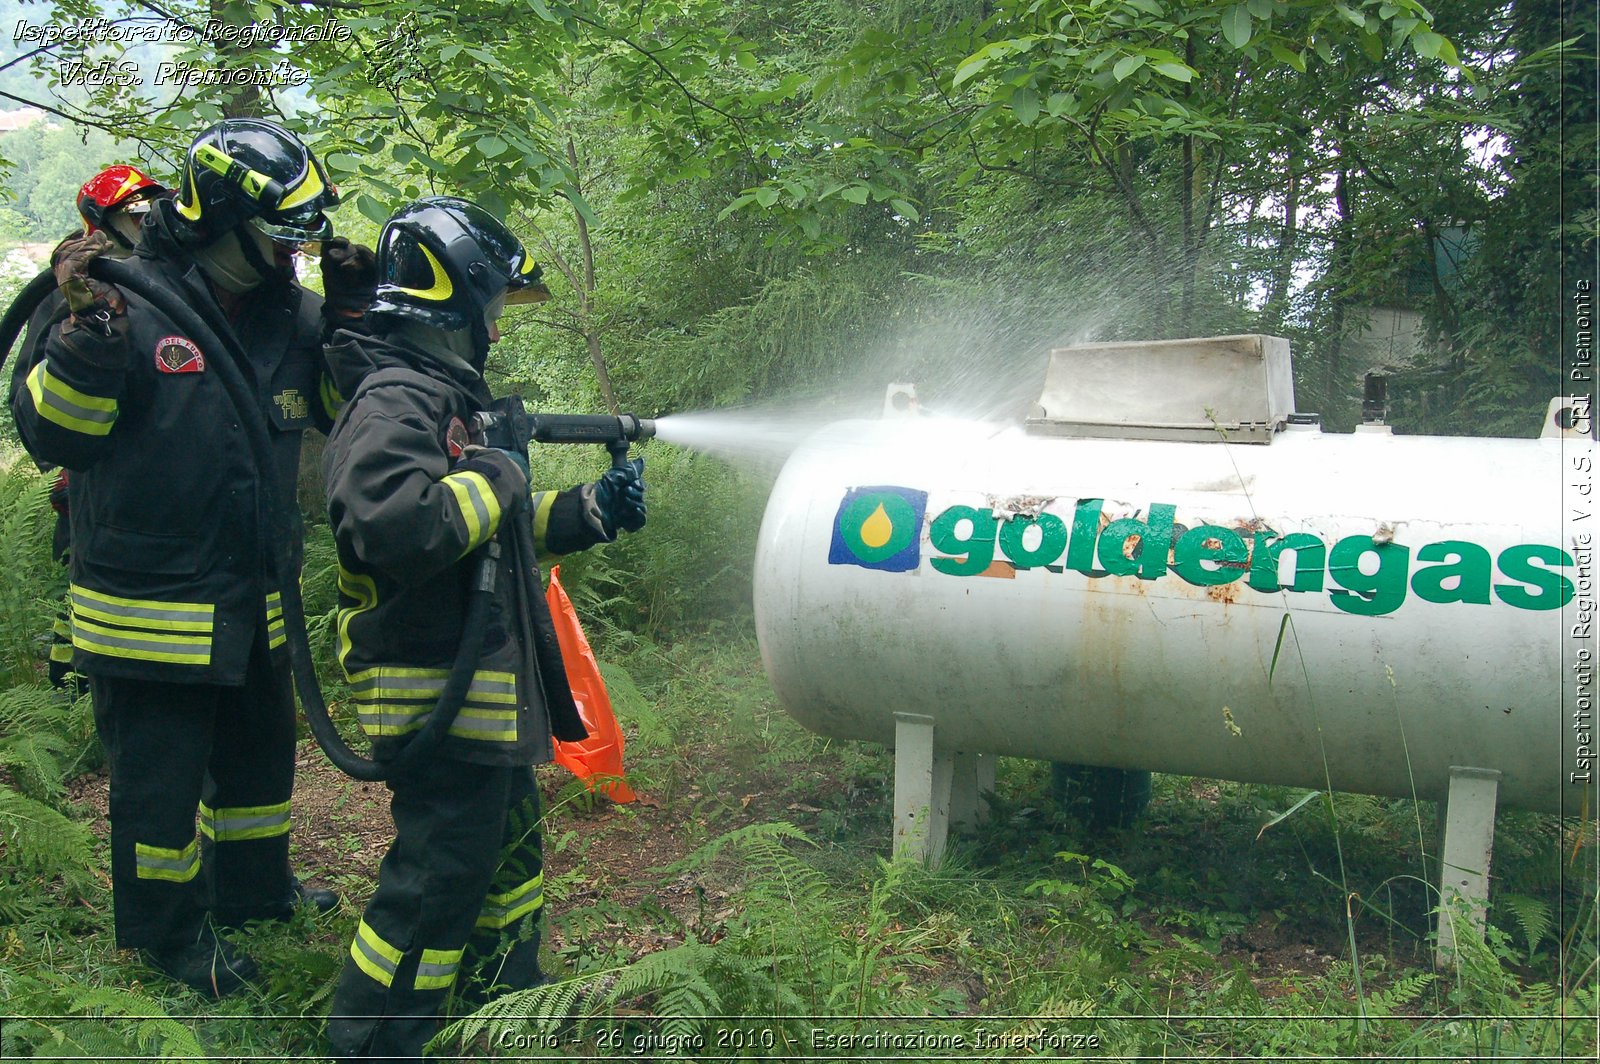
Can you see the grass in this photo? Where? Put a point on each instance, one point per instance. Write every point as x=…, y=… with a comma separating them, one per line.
x=1215, y=927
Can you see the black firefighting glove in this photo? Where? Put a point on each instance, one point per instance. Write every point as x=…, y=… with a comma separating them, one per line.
x=349, y=278
x=619, y=498
x=60, y=493
x=85, y=296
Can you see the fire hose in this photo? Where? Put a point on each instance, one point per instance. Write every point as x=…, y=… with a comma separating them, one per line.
x=614, y=432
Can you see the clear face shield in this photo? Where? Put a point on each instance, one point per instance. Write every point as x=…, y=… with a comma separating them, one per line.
x=301, y=231
x=127, y=219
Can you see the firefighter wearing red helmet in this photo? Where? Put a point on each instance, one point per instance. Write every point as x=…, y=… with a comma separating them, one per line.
x=175, y=620
x=115, y=202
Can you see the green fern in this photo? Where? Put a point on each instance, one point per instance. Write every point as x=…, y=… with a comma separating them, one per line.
x=152, y=1027
x=38, y=839
x=749, y=837
x=44, y=739
x=27, y=604
x=1533, y=917
x=1394, y=999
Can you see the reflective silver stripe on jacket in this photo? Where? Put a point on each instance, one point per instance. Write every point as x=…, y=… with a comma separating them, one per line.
x=396, y=701
x=142, y=629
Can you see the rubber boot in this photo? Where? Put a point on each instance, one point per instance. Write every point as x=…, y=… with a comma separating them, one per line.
x=209, y=964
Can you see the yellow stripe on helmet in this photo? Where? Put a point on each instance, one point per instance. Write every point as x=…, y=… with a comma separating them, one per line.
x=306, y=190
x=442, y=289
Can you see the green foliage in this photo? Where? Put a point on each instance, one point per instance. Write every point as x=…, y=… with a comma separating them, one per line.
x=45, y=739
x=26, y=523
x=49, y=160
x=40, y=841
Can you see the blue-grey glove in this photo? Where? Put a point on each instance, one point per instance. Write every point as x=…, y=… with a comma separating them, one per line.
x=496, y=462
x=520, y=458
x=619, y=496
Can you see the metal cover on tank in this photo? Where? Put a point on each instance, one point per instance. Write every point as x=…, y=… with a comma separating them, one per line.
x=1237, y=389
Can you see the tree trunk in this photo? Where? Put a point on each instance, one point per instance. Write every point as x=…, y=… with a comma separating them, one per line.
x=1277, y=305
x=238, y=101
x=1339, y=283
x=591, y=330
x=1186, y=195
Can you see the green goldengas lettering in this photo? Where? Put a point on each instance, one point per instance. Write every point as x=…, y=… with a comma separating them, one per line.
x=1361, y=575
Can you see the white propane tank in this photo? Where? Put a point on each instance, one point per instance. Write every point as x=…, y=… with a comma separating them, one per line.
x=1366, y=612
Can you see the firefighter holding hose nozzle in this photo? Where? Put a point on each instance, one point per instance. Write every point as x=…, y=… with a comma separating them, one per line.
x=432, y=513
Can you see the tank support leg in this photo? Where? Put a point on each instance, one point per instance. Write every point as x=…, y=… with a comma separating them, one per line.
x=921, y=790
x=1465, y=852
x=972, y=778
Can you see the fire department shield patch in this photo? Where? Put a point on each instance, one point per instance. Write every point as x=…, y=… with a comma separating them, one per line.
x=455, y=438
x=175, y=354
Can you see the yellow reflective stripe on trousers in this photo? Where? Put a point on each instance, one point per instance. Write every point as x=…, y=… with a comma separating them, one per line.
x=277, y=631
x=503, y=910
x=158, y=862
x=397, y=701
x=243, y=823
x=438, y=969
x=373, y=955
x=480, y=510
x=60, y=402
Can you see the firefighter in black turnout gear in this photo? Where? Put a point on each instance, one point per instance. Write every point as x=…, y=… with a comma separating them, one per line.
x=413, y=497
x=174, y=617
x=114, y=201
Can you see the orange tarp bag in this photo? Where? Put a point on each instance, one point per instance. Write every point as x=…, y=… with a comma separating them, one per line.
x=600, y=755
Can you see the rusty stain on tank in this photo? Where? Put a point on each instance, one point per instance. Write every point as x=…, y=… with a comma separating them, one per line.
x=1227, y=594
x=1001, y=570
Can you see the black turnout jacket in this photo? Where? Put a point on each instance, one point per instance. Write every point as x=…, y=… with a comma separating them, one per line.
x=406, y=520
x=169, y=575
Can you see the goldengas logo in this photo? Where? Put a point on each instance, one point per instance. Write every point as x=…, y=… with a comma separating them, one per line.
x=879, y=528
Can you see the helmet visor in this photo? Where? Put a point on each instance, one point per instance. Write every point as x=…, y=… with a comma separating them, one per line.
x=532, y=293
x=306, y=233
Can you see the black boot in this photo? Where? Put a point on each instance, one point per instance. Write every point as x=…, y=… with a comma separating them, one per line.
x=209, y=964
x=322, y=901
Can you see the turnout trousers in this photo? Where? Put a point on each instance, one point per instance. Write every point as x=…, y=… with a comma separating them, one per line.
x=458, y=906
x=174, y=750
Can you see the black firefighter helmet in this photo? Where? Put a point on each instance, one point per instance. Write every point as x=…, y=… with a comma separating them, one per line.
x=249, y=170
x=442, y=261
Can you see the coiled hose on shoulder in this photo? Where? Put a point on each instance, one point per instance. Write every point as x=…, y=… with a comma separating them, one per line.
x=278, y=541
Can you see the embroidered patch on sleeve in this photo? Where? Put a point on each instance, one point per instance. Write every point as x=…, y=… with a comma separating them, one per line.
x=174, y=354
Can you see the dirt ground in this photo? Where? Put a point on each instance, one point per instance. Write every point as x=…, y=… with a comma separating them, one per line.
x=342, y=828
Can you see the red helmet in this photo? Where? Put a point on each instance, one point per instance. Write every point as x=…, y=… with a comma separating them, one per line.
x=111, y=188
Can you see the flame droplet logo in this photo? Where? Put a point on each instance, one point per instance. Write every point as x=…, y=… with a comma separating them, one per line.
x=879, y=528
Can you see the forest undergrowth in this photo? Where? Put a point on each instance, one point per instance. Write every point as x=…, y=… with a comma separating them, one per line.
x=1214, y=926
